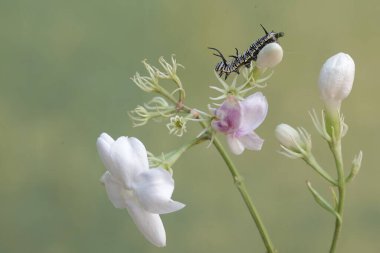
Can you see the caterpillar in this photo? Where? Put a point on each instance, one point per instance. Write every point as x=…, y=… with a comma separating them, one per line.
x=245, y=59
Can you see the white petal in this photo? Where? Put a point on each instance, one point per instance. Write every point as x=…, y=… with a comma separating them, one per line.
x=254, y=111
x=108, y=139
x=129, y=158
x=236, y=146
x=149, y=224
x=154, y=189
x=252, y=141
x=115, y=191
x=103, y=145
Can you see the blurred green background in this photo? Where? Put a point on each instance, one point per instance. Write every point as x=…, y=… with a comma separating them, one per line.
x=64, y=79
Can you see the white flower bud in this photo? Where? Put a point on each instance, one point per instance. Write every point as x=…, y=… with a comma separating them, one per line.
x=269, y=56
x=288, y=137
x=336, y=79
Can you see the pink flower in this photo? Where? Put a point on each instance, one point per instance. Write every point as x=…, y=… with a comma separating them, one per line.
x=238, y=120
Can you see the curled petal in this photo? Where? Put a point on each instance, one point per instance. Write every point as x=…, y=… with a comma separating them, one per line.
x=251, y=141
x=129, y=158
x=149, y=224
x=254, y=111
x=154, y=189
x=235, y=145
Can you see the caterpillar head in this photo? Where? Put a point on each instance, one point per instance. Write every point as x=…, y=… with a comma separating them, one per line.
x=279, y=35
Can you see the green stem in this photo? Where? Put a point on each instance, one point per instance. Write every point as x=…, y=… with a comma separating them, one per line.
x=310, y=159
x=238, y=180
x=173, y=156
x=336, y=148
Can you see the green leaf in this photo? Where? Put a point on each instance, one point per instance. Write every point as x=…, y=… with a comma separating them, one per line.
x=322, y=202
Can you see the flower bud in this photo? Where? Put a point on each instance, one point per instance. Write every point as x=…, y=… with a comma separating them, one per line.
x=288, y=136
x=269, y=56
x=336, y=79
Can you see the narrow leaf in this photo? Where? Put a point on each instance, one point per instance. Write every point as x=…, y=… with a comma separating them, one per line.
x=322, y=202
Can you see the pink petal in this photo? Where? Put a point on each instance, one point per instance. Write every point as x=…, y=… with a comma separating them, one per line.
x=228, y=116
x=251, y=141
x=254, y=111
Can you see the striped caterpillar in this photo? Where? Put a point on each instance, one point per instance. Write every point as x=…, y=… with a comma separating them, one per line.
x=249, y=55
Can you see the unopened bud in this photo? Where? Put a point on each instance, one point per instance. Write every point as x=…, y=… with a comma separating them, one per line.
x=336, y=80
x=288, y=137
x=269, y=56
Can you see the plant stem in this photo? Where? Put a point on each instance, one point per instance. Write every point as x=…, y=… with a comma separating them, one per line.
x=310, y=159
x=336, y=148
x=238, y=180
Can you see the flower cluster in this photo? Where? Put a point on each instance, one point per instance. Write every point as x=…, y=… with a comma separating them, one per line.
x=146, y=192
x=143, y=183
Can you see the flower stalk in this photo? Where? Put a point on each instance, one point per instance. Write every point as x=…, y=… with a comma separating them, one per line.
x=336, y=149
x=335, y=84
x=239, y=183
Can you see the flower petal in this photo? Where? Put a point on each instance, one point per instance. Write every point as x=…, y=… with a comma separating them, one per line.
x=154, y=189
x=103, y=145
x=228, y=116
x=254, y=111
x=149, y=224
x=251, y=141
x=236, y=146
x=129, y=158
x=115, y=191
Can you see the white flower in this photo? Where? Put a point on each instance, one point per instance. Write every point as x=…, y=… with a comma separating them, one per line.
x=130, y=184
x=336, y=80
x=269, y=56
x=239, y=119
